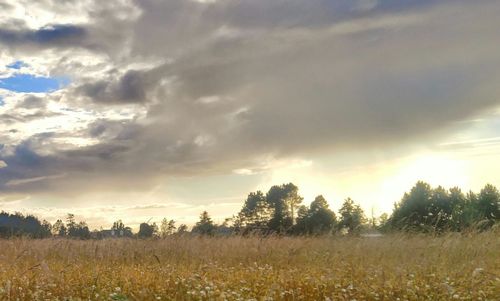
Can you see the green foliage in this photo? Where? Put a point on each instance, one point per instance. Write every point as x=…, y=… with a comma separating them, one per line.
x=426, y=209
x=352, y=217
x=167, y=227
x=284, y=200
x=120, y=230
x=316, y=220
x=59, y=229
x=488, y=203
x=382, y=223
x=19, y=225
x=182, y=229
x=279, y=211
x=255, y=215
x=205, y=226
x=76, y=230
x=274, y=212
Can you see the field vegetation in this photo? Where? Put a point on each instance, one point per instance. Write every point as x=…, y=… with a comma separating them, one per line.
x=391, y=267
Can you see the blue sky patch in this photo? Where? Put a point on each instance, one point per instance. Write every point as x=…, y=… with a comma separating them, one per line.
x=27, y=83
x=17, y=65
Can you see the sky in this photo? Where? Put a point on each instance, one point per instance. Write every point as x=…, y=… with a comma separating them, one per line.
x=144, y=109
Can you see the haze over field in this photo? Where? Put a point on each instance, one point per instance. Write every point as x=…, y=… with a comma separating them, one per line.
x=143, y=109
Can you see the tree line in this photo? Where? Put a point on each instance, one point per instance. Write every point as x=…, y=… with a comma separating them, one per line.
x=280, y=211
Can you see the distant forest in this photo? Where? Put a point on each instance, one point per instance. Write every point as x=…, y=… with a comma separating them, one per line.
x=280, y=212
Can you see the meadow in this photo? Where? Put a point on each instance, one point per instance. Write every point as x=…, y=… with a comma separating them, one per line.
x=392, y=267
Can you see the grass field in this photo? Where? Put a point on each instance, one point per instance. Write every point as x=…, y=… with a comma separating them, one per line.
x=187, y=268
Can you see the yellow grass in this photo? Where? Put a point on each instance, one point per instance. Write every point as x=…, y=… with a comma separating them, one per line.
x=235, y=268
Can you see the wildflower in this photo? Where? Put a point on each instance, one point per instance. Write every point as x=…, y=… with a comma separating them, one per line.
x=449, y=288
x=477, y=272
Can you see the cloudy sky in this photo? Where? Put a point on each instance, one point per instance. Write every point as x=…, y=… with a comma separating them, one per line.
x=139, y=109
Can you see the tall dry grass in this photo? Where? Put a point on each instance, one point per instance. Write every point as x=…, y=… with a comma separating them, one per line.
x=236, y=268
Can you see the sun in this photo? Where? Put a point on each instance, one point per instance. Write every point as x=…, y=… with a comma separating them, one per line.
x=436, y=169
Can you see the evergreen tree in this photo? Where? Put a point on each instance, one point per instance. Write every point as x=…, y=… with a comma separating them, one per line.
x=255, y=214
x=284, y=201
x=205, y=226
x=352, y=217
x=488, y=203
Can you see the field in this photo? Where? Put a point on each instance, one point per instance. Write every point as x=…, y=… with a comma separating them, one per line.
x=234, y=268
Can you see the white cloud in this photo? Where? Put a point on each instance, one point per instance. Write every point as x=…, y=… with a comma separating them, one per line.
x=366, y=5
x=33, y=180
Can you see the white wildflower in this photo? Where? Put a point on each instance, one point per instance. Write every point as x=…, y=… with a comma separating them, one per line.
x=477, y=272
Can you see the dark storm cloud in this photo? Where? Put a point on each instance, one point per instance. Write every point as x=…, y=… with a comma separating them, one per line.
x=28, y=170
x=100, y=27
x=58, y=35
x=22, y=164
x=236, y=81
x=182, y=23
x=114, y=130
x=38, y=164
x=132, y=87
x=365, y=81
